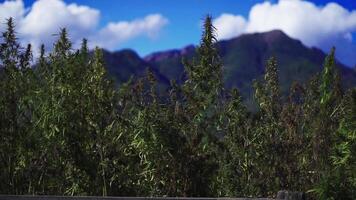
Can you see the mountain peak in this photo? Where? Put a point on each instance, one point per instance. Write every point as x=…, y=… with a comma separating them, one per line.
x=274, y=35
x=170, y=53
x=268, y=37
x=244, y=59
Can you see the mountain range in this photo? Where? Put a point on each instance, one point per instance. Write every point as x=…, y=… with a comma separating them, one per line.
x=244, y=60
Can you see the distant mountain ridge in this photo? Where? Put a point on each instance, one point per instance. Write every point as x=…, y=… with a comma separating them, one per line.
x=124, y=64
x=157, y=56
x=244, y=59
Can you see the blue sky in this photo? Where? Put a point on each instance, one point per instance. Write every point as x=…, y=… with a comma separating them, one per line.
x=161, y=24
x=184, y=17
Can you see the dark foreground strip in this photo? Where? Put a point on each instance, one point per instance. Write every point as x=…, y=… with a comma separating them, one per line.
x=16, y=197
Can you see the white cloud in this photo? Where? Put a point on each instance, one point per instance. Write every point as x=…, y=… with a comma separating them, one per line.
x=116, y=33
x=302, y=20
x=320, y=26
x=229, y=25
x=46, y=17
x=39, y=23
x=15, y=9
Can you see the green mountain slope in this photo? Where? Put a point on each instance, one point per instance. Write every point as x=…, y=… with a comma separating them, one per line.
x=244, y=58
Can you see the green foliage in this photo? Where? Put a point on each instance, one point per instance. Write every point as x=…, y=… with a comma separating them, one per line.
x=341, y=184
x=66, y=129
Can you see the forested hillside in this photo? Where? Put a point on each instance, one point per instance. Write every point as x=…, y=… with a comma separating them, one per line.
x=67, y=129
x=244, y=59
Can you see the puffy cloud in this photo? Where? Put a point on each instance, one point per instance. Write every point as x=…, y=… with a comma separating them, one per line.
x=15, y=9
x=302, y=20
x=115, y=33
x=46, y=17
x=39, y=23
x=229, y=25
x=322, y=27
